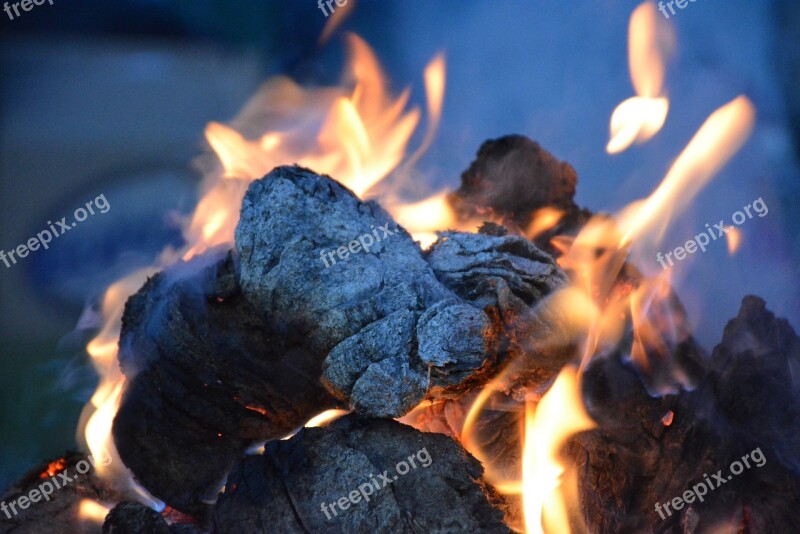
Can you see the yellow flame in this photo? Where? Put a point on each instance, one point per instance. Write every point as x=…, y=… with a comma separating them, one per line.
x=559, y=415
x=543, y=220
x=714, y=144
x=639, y=118
x=92, y=511
x=734, y=236
x=328, y=416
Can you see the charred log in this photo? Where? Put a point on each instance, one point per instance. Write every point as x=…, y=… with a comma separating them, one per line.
x=649, y=451
x=511, y=178
x=207, y=378
x=324, y=480
x=391, y=331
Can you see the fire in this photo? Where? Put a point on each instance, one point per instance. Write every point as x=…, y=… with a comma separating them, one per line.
x=639, y=118
x=543, y=220
x=325, y=417
x=92, y=511
x=558, y=415
x=734, y=237
x=357, y=133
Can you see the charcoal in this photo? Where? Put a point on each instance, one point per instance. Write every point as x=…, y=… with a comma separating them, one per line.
x=649, y=450
x=134, y=518
x=207, y=377
x=292, y=486
x=511, y=178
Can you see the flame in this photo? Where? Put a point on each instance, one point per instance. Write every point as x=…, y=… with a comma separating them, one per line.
x=422, y=219
x=559, y=415
x=639, y=118
x=93, y=511
x=328, y=416
x=357, y=133
x=715, y=143
x=544, y=219
x=734, y=237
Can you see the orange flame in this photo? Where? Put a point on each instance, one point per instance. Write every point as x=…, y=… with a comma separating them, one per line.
x=734, y=236
x=639, y=118
x=92, y=511
x=559, y=415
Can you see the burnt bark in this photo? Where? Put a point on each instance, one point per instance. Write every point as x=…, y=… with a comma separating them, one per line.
x=285, y=489
x=221, y=355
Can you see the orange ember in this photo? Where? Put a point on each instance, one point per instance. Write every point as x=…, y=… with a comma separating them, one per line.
x=54, y=468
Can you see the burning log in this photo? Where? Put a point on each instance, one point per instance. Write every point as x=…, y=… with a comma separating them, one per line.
x=648, y=451
x=135, y=518
x=390, y=330
x=220, y=356
x=512, y=178
x=207, y=378
x=359, y=474
x=53, y=494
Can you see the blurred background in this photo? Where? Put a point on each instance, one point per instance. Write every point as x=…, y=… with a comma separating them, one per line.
x=101, y=98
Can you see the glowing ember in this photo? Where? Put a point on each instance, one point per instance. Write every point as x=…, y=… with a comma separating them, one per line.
x=54, y=468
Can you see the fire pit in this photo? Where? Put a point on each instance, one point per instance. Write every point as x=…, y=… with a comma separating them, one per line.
x=323, y=356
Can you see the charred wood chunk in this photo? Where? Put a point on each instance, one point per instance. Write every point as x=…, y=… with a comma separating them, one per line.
x=53, y=492
x=207, y=377
x=511, y=178
x=756, y=382
x=359, y=475
x=649, y=450
x=134, y=518
x=340, y=274
x=508, y=273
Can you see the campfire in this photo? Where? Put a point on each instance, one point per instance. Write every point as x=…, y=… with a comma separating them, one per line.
x=326, y=356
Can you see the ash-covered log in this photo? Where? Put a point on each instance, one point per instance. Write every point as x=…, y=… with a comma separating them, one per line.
x=221, y=355
x=208, y=377
x=359, y=475
x=340, y=273
x=648, y=452
x=49, y=497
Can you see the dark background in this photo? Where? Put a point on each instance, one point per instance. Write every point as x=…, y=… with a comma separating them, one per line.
x=112, y=98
